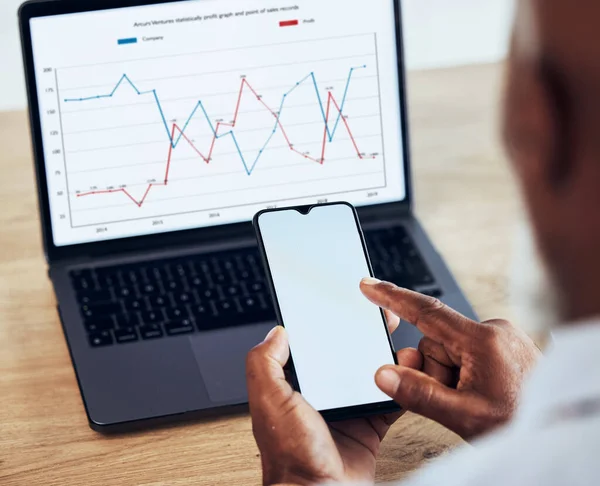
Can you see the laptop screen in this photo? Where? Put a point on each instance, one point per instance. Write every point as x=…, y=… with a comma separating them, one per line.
x=200, y=113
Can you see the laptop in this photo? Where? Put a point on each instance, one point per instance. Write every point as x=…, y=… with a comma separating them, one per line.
x=159, y=129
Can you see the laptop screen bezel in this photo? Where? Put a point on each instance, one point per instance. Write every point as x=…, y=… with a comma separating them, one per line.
x=55, y=254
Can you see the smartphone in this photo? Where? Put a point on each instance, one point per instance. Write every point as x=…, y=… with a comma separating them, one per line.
x=315, y=257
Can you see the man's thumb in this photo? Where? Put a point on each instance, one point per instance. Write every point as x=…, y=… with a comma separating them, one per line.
x=265, y=377
x=419, y=393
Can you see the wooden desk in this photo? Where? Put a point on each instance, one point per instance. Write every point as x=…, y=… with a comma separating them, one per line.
x=464, y=196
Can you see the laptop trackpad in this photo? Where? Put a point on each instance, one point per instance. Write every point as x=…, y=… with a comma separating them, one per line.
x=221, y=356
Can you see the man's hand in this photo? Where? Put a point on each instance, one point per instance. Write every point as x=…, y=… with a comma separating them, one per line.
x=472, y=372
x=466, y=376
x=296, y=445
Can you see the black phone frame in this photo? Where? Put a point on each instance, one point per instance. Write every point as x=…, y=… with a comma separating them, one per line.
x=344, y=413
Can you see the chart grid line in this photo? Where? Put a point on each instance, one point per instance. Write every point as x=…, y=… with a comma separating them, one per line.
x=181, y=159
x=157, y=142
x=228, y=71
x=196, y=53
x=258, y=129
x=220, y=208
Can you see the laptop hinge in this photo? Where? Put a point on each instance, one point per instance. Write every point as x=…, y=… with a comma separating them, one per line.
x=228, y=235
x=384, y=212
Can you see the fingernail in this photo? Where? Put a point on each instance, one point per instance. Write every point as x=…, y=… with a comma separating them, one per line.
x=387, y=380
x=272, y=333
x=370, y=281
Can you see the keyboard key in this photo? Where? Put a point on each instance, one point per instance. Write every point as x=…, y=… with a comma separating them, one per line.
x=226, y=313
x=149, y=289
x=155, y=274
x=102, y=309
x=200, y=311
x=158, y=301
x=151, y=331
x=208, y=293
x=124, y=320
x=99, y=339
x=83, y=280
x=180, y=270
x=399, y=268
x=134, y=304
x=131, y=276
x=172, y=285
x=82, y=273
x=202, y=267
x=183, y=326
x=254, y=312
x=264, y=301
x=176, y=313
x=257, y=287
x=106, y=277
x=232, y=290
x=151, y=317
x=90, y=296
x=126, y=335
x=249, y=304
x=226, y=307
x=183, y=298
x=97, y=324
x=125, y=292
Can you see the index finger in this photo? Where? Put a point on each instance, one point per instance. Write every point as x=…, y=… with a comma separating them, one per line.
x=433, y=318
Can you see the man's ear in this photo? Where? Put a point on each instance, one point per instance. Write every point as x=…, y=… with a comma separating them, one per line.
x=532, y=126
x=561, y=123
x=537, y=118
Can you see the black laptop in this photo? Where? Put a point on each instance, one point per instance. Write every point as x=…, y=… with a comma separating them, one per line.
x=159, y=129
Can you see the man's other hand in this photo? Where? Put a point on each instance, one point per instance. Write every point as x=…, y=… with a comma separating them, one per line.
x=472, y=372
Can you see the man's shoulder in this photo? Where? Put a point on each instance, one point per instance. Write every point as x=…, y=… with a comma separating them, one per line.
x=561, y=453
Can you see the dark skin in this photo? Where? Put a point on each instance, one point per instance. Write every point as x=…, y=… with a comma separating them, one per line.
x=471, y=374
x=297, y=446
x=551, y=120
x=465, y=375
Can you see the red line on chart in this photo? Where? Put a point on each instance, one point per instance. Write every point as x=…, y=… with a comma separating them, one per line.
x=208, y=158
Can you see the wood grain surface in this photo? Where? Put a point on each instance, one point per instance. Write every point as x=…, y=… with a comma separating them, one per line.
x=465, y=198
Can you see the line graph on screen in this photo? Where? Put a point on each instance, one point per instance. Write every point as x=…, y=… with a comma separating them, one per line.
x=247, y=133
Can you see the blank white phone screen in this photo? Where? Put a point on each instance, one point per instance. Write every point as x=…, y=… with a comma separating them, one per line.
x=337, y=337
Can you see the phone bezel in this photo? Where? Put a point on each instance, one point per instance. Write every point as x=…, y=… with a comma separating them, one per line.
x=343, y=413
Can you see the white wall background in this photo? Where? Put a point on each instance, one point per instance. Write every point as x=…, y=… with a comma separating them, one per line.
x=439, y=33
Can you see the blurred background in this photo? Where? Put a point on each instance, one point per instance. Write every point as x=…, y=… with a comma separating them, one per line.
x=439, y=33
x=465, y=198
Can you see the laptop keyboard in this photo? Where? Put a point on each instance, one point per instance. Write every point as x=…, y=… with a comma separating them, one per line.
x=175, y=296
